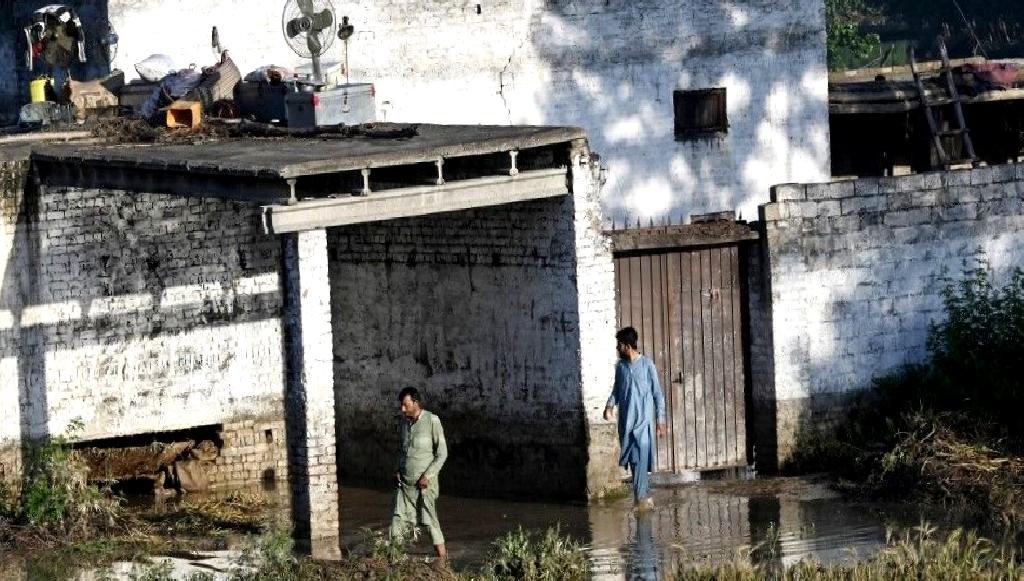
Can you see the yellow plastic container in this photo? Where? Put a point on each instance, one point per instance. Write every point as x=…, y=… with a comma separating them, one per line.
x=37, y=89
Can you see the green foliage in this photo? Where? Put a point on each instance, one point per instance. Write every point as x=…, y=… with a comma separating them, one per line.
x=520, y=555
x=57, y=496
x=848, y=45
x=977, y=350
x=272, y=558
x=384, y=548
x=915, y=555
x=947, y=431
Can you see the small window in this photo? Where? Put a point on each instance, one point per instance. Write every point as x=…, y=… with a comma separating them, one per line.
x=700, y=112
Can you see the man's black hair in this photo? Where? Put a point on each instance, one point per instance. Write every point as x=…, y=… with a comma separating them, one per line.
x=628, y=336
x=412, y=392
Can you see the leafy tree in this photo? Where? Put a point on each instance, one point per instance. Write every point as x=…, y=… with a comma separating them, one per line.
x=848, y=44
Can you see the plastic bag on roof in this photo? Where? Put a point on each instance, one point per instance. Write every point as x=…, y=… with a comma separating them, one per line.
x=172, y=87
x=155, y=67
x=272, y=74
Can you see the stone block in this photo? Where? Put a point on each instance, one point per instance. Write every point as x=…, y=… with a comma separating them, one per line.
x=925, y=198
x=866, y=187
x=983, y=175
x=909, y=217
x=957, y=212
x=859, y=204
x=910, y=183
x=831, y=190
x=900, y=200
x=889, y=184
x=1003, y=173
x=783, y=192
x=771, y=212
x=996, y=191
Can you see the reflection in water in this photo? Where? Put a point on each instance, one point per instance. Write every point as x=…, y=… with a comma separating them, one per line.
x=778, y=521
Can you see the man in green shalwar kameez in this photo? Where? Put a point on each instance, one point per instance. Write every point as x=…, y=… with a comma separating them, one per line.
x=423, y=452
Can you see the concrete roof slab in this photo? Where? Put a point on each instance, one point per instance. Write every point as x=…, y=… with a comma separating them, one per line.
x=287, y=158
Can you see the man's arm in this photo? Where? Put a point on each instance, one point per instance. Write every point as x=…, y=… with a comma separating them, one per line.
x=440, y=453
x=659, y=399
x=401, y=452
x=613, y=399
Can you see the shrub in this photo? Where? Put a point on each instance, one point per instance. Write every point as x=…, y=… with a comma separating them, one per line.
x=536, y=557
x=945, y=431
x=56, y=495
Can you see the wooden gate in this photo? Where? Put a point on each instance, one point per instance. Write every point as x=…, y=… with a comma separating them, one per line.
x=686, y=306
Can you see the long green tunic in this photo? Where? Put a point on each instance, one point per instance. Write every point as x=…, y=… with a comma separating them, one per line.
x=423, y=452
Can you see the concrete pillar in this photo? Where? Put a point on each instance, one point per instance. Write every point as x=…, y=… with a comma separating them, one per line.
x=309, y=393
x=595, y=285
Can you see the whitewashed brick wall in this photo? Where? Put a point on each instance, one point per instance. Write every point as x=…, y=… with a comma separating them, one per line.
x=857, y=268
x=595, y=281
x=313, y=465
x=609, y=67
x=134, y=313
x=479, y=310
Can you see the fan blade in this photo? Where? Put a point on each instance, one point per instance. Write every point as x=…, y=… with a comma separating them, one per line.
x=294, y=27
x=306, y=7
x=323, y=20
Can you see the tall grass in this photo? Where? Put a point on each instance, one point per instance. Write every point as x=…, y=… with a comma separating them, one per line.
x=916, y=555
x=520, y=555
x=56, y=498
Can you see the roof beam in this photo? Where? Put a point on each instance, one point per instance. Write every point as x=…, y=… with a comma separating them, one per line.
x=415, y=201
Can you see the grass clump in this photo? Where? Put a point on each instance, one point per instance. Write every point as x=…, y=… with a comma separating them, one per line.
x=520, y=555
x=946, y=431
x=916, y=555
x=203, y=516
x=56, y=501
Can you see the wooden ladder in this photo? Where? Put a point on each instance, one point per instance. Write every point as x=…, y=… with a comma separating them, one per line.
x=954, y=99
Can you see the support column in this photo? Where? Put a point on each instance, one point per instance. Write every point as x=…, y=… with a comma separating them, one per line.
x=309, y=393
x=595, y=285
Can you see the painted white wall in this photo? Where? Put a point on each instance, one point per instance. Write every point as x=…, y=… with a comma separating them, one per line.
x=857, y=269
x=609, y=67
x=135, y=314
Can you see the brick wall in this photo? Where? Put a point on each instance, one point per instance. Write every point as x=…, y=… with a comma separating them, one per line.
x=253, y=456
x=595, y=282
x=856, y=270
x=610, y=67
x=136, y=313
x=479, y=310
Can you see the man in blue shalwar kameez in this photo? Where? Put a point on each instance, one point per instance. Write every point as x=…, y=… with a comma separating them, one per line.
x=637, y=393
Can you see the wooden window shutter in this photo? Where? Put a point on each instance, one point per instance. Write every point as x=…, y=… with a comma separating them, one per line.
x=700, y=112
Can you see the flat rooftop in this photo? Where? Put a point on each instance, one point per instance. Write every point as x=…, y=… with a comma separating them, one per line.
x=293, y=157
x=382, y=172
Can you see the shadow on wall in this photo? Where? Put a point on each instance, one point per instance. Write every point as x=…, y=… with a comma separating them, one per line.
x=478, y=310
x=854, y=295
x=119, y=310
x=612, y=69
x=14, y=79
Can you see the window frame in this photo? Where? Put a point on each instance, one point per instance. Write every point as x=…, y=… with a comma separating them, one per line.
x=710, y=95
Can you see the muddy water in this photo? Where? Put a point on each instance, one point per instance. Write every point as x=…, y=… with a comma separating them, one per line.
x=787, y=519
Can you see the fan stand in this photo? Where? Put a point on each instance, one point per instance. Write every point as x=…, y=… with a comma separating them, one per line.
x=318, y=76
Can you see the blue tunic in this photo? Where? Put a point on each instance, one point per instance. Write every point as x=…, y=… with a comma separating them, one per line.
x=638, y=395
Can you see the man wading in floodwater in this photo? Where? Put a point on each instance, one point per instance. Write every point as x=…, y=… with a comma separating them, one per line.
x=637, y=394
x=423, y=452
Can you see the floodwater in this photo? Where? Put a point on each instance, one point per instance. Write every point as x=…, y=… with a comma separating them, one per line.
x=787, y=518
